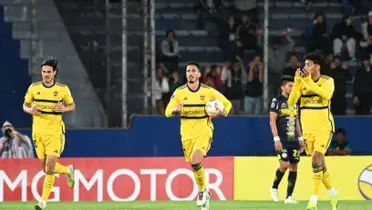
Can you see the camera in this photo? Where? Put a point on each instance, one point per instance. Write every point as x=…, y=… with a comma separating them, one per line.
x=7, y=132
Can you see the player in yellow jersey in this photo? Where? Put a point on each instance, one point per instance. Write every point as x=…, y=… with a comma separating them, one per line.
x=315, y=92
x=196, y=126
x=46, y=101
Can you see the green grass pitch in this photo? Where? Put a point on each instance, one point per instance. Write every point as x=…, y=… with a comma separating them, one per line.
x=173, y=205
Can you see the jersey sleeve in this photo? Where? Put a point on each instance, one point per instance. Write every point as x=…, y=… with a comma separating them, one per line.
x=325, y=90
x=173, y=102
x=296, y=91
x=226, y=103
x=67, y=98
x=29, y=97
x=274, y=105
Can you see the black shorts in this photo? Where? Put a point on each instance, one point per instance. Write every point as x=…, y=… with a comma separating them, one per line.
x=289, y=154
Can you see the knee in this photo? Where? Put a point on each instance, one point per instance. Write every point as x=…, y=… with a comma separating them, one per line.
x=337, y=42
x=283, y=166
x=49, y=167
x=351, y=41
x=196, y=167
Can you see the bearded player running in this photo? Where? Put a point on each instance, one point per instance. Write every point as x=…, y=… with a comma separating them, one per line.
x=46, y=101
x=196, y=126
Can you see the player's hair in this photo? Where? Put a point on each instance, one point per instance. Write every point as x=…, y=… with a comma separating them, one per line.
x=315, y=57
x=194, y=63
x=52, y=62
x=285, y=79
x=341, y=130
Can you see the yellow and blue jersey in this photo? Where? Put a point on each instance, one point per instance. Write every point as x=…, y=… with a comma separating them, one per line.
x=194, y=119
x=315, y=102
x=47, y=98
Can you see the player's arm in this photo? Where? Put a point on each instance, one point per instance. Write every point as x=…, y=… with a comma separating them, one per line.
x=325, y=91
x=68, y=100
x=226, y=103
x=298, y=129
x=274, y=109
x=296, y=91
x=171, y=109
x=27, y=104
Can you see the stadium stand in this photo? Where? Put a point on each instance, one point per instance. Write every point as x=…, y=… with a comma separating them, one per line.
x=14, y=71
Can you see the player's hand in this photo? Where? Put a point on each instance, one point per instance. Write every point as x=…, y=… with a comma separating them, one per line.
x=302, y=146
x=34, y=110
x=219, y=113
x=304, y=73
x=298, y=72
x=60, y=107
x=178, y=109
x=278, y=146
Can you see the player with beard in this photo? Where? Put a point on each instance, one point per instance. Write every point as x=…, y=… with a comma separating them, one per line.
x=196, y=125
x=46, y=101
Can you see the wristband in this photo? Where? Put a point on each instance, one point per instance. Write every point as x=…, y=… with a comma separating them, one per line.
x=276, y=138
x=301, y=139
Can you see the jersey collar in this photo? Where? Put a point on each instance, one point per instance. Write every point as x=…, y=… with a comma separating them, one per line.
x=194, y=91
x=48, y=86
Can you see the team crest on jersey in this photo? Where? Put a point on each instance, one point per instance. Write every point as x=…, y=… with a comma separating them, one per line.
x=55, y=93
x=202, y=98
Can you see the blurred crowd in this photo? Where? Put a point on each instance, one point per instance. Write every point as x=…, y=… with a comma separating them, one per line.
x=240, y=78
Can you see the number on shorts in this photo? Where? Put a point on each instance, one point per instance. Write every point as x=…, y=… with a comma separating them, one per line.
x=296, y=154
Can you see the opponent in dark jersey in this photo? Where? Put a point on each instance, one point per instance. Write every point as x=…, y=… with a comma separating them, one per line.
x=288, y=139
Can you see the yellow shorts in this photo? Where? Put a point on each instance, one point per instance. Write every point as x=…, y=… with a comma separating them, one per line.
x=317, y=141
x=49, y=144
x=201, y=143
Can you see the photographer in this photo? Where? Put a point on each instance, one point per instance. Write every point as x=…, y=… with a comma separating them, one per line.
x=13, y=144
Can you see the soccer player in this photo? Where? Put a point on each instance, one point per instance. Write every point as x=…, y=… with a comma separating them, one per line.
x=196, y=126
x=285, y=125
x=46, y=101
x=315, y=92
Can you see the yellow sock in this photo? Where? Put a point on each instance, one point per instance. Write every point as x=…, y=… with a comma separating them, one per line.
x=60, y=169
x=47, y=187
x=199, y=176
x=327, y=179
x=317, y=179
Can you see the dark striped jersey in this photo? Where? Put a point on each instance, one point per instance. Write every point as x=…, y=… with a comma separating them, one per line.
x=285, y=121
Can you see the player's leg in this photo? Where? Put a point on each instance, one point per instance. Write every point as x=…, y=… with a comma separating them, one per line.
x=200, y=149
x=294, y=159
x=40, y=152
x=321, y=143
x=283, y=166
x=327, y=182
x=69, y=171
